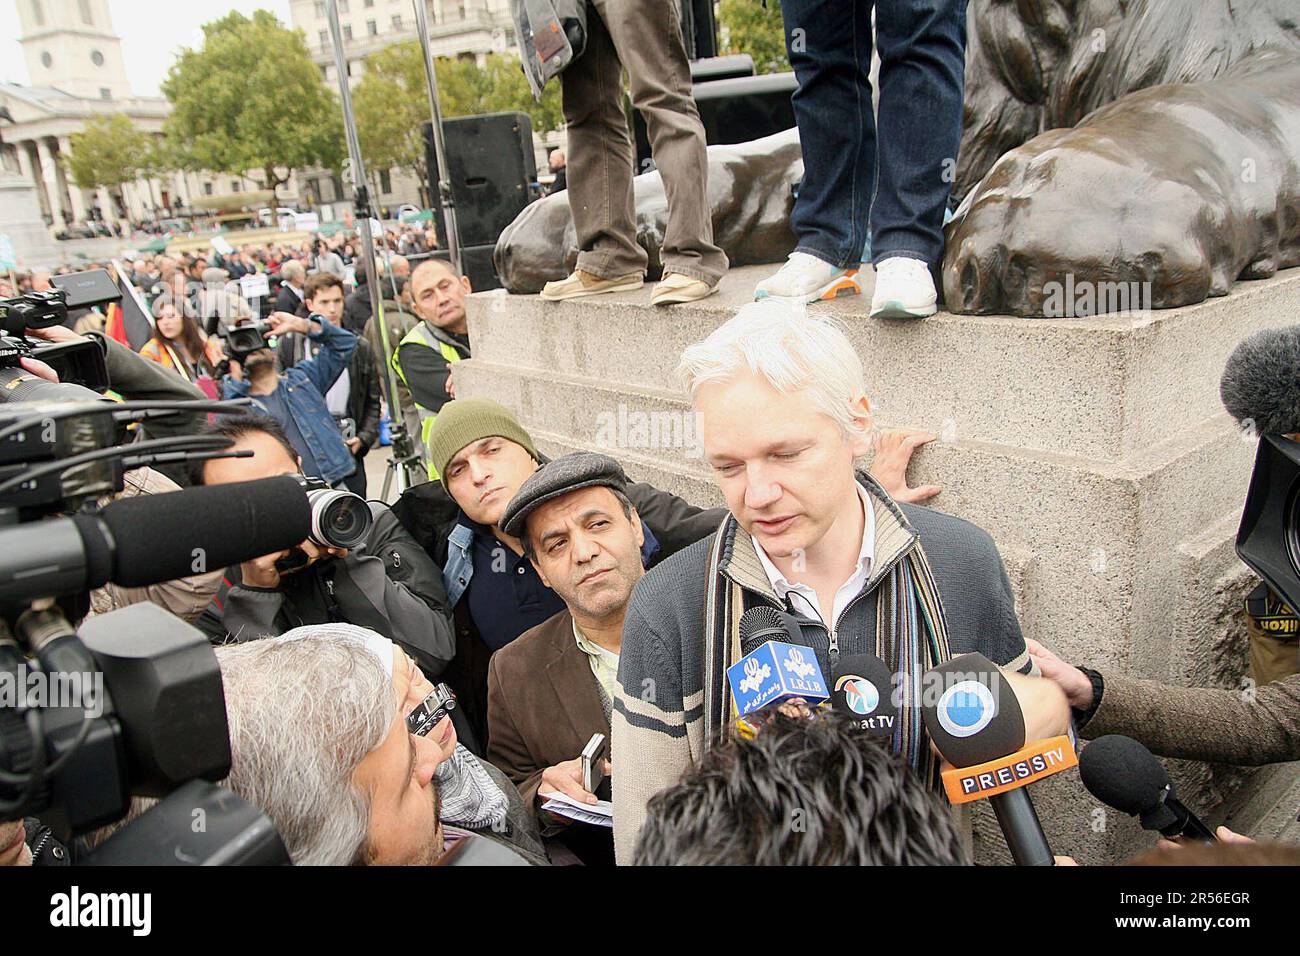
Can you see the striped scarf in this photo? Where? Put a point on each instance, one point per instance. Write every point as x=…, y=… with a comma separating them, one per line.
x=911, y=637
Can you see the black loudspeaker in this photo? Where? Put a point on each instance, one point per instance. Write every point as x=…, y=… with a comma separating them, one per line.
x=477, y=263
x=492, y=171
x=733, y=109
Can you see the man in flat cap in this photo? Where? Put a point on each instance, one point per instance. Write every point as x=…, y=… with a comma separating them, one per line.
x=583, y=536
x=483, y=456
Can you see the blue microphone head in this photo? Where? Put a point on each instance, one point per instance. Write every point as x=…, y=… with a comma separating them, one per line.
x=970, y=711
x=862, y=690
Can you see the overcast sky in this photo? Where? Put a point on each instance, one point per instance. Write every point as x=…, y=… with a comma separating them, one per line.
x=151, y=31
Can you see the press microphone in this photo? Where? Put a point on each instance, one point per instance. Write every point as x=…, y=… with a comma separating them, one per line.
x=862, y=690
x=135, y=542
x=776, y=668
x=1260, y=386
x=766, y=623
x=974, y=718
x=1125, y=775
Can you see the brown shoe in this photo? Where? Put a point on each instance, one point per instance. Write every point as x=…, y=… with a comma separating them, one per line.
x=584, y=283
x=675, y=289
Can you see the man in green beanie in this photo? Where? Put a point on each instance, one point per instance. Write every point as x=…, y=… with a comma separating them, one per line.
x=483, y=455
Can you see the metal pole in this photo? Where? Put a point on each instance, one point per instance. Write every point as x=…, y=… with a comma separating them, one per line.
x=402, y=449
x=439, y=148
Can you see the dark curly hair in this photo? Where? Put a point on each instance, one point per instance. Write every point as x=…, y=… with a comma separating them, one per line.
x=804, y=791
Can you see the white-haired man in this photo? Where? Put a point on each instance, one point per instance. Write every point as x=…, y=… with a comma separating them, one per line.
x=326, y=707
x=784, y=419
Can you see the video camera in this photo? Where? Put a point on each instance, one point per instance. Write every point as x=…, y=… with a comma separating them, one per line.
x=133, y=704
x=77, y=363
x=241, y=341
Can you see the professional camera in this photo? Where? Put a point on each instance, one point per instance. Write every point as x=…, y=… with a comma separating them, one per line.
x=77, y=363
x=339, y=519
x=241, y=341
x=133, y=704
x=1268, y=540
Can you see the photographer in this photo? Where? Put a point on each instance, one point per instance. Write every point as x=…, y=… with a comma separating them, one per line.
x=296, y=397
x=389, y=585
x=353, y=399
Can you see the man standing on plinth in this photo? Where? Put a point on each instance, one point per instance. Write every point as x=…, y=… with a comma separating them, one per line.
x=645, y=38
x=887, y=177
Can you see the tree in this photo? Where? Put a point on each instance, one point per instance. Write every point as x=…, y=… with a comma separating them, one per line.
x=749, y=27
x=392, y=102
x=107, y=153
x=250, y=98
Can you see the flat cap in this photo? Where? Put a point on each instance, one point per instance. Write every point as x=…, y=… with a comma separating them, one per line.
x=582, y=469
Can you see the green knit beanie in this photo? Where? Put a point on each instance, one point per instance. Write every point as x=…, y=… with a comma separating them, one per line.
x=464, y=421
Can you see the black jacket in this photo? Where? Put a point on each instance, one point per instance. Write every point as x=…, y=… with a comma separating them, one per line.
x=363, y=384
x=430, y=514
x=388, y=585
x=356, y=308
x=426, y=371
x=289, y=301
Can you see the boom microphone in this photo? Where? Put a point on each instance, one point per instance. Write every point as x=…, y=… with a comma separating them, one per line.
x=1261, y=381
x=1123, y=774
x=135, y=542
x=974, y=718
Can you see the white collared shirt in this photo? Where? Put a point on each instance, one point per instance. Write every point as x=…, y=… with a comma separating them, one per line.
x=804, y=598
x=604, y=662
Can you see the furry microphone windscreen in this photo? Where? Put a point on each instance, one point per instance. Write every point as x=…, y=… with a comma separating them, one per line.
x=1260, y=387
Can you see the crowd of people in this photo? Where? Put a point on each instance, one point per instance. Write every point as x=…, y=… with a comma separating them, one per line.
x=549, y=606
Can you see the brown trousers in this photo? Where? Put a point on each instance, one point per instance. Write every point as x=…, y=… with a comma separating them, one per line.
x=644, y=36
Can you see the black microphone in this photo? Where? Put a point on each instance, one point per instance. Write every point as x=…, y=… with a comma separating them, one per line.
x=1261, y=381
x=862, y=690
x=135, y=542
x=973, y=717
x=765, y=623
x=1123, y=774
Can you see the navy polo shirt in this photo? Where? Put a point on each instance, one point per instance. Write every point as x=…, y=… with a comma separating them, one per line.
x=506, y=597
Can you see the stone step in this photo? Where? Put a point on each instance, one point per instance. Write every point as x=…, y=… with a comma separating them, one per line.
x=1101, y=387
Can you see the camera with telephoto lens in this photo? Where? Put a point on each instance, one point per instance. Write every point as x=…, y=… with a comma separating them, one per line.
x=339, y=519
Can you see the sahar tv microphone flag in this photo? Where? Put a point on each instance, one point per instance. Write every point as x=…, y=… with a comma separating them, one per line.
x=973, y=717
x=775, y=671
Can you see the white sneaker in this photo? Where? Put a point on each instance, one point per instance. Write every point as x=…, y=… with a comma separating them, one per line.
x=806, y=278
x=904, y=290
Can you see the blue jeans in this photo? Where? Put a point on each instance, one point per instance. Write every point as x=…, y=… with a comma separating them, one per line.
x=895, y=184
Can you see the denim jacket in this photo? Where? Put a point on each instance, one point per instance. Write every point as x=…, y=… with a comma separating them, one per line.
x=305, y=385
x=459, y=567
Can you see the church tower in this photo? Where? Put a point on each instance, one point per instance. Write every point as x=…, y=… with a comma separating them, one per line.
x=70, y=45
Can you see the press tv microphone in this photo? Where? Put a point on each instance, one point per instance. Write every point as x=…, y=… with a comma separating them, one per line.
x=973, y=717
x=862, y=690
x=777, y=667
x=144, y=540
x=1123, y=774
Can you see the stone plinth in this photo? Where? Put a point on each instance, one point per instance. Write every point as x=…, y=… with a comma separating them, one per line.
x=1094, y=450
